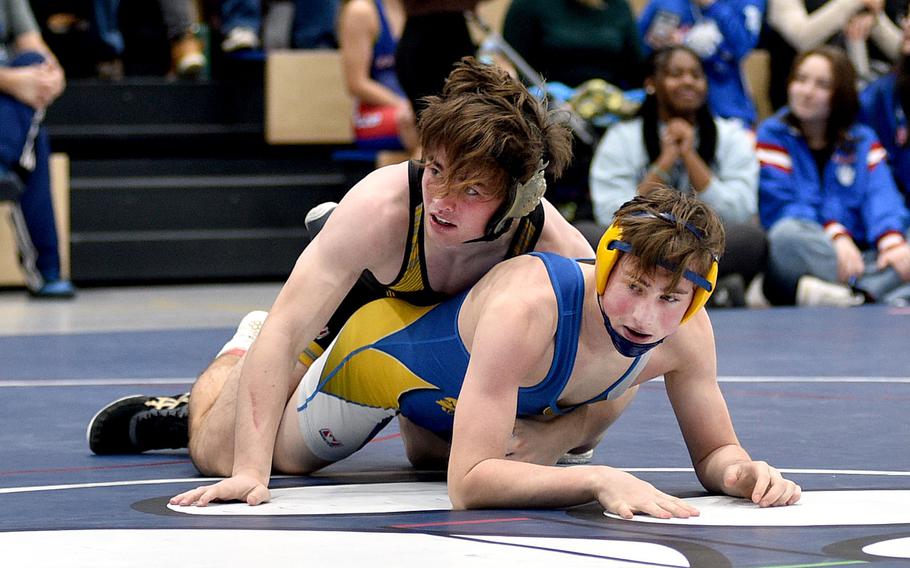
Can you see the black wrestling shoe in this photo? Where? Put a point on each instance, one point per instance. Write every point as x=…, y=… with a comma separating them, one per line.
x=135, y=424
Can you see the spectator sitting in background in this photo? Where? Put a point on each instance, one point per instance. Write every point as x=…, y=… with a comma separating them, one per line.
x=313, y=26
x=30, y=80
x=571, y=41
x=869, y=61
x=835, y=219
x=88, y=37
x=676, y=141
x=800, y=25
x=722, y=33
x=368, y=31
x=885, y=106
x=187, y=59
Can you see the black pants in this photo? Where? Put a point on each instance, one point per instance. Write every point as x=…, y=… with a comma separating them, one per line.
x=429, y=46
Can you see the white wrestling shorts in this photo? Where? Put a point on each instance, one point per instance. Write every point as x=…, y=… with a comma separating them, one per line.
x=334, y=428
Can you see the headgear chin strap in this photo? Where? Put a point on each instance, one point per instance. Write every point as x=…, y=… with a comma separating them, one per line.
x=626, y=347
x=611, y=244
x=523, y=199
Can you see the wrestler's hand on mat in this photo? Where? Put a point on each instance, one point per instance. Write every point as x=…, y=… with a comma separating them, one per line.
x=237, y=488
x=624, y=494
x=761, y=483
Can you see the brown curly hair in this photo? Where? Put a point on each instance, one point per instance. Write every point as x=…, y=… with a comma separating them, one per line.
x=659, y=227
x=491, y=130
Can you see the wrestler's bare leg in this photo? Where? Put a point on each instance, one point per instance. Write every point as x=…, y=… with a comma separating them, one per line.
x=424, y=449
x=212, y=400
x=213, y=403
x=601, y=416
x=291, y=455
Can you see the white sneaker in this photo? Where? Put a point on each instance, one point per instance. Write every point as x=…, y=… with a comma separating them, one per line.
x=582, y=458
x=190, y=65
x=812, y=291
x=755, y=297
x=317, y=216
x=240, y=38
x=186, y=56
x=898, y=298
x=246, y=333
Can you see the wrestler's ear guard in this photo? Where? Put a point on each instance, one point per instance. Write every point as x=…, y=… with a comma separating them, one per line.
x=606, y=257
x=700, y=295
x=611, y=244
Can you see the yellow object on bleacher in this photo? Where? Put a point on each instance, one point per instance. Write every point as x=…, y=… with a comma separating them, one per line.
x=597, y=97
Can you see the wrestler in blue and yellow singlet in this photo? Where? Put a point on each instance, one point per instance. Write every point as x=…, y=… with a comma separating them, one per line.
x=393, y=357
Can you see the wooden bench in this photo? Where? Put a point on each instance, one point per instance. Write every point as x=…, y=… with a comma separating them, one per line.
x=306, y=101
x=305, y=98
x=10, y=272
x=757, y=71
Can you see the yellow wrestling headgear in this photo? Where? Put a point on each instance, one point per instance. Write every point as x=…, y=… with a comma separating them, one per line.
x=611, y=244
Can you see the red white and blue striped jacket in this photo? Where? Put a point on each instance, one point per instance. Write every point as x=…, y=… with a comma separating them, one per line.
x=855, y=193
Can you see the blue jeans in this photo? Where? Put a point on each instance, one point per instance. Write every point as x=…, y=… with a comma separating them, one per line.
x=313, y=26
x=107, y=27
x=798, y=247
x=240, y=14
x=37, y=207
x=175, y=14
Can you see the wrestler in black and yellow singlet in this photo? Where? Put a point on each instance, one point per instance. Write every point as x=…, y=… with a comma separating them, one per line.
x=412, y=283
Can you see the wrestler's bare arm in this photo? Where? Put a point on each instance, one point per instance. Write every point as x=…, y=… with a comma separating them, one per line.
x=507, y=329
x=511, y=346
x=721, y=463
x=366, y=231
x=561, y=237
x=544, y=443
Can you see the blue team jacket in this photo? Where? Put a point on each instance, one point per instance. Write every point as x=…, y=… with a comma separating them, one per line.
x=727, y=31
x=882, y=112
x=856, y=189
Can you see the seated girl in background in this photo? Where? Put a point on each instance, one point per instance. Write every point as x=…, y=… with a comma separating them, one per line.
x=885, y=105
x=836, y=222
x=675, y=141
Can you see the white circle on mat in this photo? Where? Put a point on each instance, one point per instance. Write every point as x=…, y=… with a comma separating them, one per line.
x=815, y=508
x=895, y=548
x=219, y=548
x=337, y=500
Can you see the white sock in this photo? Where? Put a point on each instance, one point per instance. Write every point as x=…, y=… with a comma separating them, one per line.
x=246, y=333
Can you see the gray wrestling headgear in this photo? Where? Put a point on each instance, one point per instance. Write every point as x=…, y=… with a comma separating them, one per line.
x=522, y=200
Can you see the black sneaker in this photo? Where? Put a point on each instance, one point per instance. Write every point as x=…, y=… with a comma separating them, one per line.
x=135, y=424
x=729, y=292
x=10, y=185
